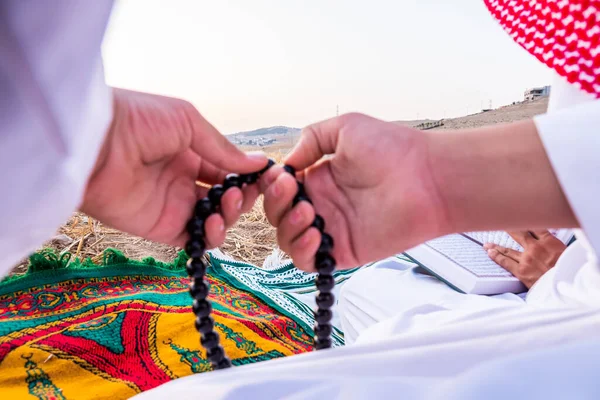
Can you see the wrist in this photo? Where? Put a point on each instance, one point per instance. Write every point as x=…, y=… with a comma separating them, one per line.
x=496, y=177
x=453, y=159
x=436, y=163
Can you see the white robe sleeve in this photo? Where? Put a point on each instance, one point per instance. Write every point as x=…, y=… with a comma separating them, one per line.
x=571, y=137
x=54, y=111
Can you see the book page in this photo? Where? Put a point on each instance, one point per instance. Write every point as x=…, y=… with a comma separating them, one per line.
x=503, y=239
x=497, y=237
x=468, y=255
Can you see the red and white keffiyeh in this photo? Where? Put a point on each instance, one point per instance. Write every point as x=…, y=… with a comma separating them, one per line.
x=563, y=34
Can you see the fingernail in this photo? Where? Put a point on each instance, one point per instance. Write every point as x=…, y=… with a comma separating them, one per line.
x=296, y=217
x=304, y=241
x=275, y=189
x=256, y=155
x=221, y=227
x=487, y=246
x=239, y=205
x=491, y=252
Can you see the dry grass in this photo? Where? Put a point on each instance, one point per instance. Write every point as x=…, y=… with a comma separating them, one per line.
x=84, y=237
x=252, y=239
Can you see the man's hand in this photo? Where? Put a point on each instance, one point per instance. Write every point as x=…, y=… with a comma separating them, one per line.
x=541, y=251
x=385, y=188
x=375, y=192
x=156, y=149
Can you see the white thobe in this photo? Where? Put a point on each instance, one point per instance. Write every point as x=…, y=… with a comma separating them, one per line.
x=54, y=111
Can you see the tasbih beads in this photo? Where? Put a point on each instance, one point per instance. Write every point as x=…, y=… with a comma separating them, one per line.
x=325, y=265
x=196, y=268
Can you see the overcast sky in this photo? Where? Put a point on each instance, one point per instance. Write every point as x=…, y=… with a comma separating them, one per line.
x=247, y=64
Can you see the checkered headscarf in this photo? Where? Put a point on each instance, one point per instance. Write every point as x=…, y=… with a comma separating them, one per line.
x=563, y=34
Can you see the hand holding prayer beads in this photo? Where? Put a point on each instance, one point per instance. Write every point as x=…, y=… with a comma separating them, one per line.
x=325, y=265
x=196, y=268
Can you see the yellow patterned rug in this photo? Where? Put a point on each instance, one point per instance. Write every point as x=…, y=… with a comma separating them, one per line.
x=83, y=331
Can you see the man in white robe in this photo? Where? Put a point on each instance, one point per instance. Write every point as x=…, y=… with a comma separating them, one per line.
x=53, y=121
x=398, y=288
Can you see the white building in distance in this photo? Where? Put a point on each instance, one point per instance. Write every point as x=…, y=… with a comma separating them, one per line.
x=536, y=93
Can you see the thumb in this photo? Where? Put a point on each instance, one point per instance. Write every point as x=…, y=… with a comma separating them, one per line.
x=215, y=148
x=316, y=141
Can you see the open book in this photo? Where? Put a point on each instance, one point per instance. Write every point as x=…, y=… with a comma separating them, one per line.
x=461, y=261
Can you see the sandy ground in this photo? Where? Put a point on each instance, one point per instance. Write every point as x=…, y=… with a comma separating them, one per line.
x=498, y=116
x=252, y=238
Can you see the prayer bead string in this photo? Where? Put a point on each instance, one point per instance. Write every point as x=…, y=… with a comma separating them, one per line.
x=196, y=268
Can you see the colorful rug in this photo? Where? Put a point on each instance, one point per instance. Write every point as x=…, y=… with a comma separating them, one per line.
x=77, y=330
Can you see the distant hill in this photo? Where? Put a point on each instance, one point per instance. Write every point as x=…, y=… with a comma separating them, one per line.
x=287, y=136
x=516, y=111
x=265, y=136
x=273, y=130
x=413, y=122
x=509, y=113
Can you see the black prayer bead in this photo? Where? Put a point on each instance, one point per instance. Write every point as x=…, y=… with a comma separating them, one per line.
x=215, y=354
x=195, y=267
x=204, y=207
x=232, y=180
x=323, y=316
x=322, y=343
x=210, y=340
x=326, y=244
x=224, y=363
x=323, y=331
x=204, y=324
x=325, y=264
x=319, y=223
x=301, y=194
x=300, y=190
x=270, y=163
x=301, y=197
x=199, y=289
x=195, y=227
x=325, y=300
x=215, y=193
x=249, y=179
x=290, y=170
x=195, y=248
x=202, y=308
x=325, y=283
